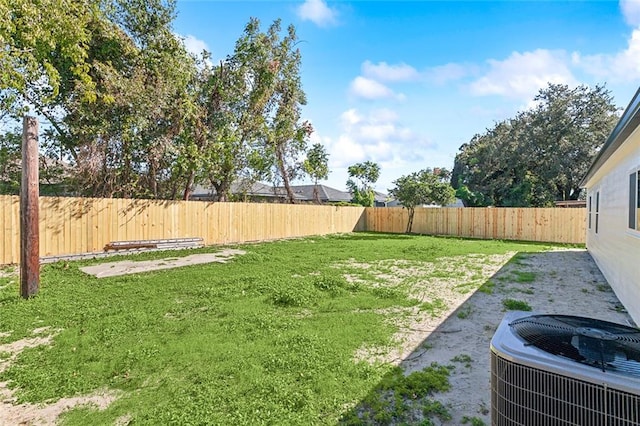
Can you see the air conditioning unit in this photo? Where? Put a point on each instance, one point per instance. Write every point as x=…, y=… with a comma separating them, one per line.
x=561, y=370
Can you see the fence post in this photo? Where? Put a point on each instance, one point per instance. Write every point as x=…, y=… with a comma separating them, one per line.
x=29, y=211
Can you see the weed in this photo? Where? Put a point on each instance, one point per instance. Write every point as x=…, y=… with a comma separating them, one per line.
x=463, y=359
x=524, y=277
x=515, y=305
x=434, y=308
x=473, y=421
x=585, y=290
x=465, y=311
x=603, y=287
x=398, y=398
x=488, y=287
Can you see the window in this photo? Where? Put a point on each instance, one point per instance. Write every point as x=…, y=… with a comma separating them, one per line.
x=597, y=209
x=634, y=200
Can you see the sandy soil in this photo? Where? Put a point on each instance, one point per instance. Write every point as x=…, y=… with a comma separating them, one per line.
x=125, y=267
x=566, y=282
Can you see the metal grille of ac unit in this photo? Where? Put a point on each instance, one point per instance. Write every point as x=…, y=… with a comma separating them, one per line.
x=526, y=396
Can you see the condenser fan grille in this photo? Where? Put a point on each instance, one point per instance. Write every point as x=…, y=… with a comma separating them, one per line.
x=601, y=344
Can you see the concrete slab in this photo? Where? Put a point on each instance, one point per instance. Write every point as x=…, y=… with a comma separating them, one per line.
x=126, y=267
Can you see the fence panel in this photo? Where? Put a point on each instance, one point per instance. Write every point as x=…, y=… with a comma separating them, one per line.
x=85, y=225
x=529, y=224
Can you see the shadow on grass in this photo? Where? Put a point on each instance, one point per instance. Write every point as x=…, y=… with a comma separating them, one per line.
x=446, y=378
x=374, y=236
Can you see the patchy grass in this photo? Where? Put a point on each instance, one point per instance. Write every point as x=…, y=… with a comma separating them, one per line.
x=400, y=399
x=524, y=277
x=463, y=359
x=516, y=305
x=434, y=308
x=472, y=421
x=269, y=337
x=465, y=311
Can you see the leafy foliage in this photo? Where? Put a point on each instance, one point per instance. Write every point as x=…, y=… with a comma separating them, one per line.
x=540, y=155
x=362, y=176
x=133, y=114
x=424, y=187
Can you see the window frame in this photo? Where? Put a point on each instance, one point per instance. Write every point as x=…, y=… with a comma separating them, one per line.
x=597, y=210
x=633, y=223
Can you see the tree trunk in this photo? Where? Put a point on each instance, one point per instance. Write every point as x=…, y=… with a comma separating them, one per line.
x=285, y=176
x=411, y=211
x=187, y=187
x=316, y=195
x=222, y=191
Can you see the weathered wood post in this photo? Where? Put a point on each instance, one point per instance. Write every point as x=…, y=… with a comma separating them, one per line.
x=29, y=211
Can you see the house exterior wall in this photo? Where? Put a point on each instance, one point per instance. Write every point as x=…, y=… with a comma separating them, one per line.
x=615, y=247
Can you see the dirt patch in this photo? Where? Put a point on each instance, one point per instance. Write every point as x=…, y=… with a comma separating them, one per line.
x=40, y=414
x=440, y=286
x=555, y=282
x=126, y=267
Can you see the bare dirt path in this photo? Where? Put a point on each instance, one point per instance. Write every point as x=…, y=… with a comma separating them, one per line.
x=555, y=282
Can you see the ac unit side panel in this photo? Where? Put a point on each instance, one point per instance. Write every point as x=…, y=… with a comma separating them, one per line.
x=525, y=396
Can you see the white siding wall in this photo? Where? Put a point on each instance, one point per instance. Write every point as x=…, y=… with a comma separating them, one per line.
x=616, y=248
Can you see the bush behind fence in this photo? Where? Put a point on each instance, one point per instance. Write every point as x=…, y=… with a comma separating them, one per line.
x=85, y=225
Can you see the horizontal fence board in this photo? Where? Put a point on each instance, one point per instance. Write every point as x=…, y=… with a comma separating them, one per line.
x=557, y=225
x=70, y=226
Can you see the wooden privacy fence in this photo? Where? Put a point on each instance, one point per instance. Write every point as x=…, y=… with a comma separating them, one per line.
x=528, y=224
x=85, y=225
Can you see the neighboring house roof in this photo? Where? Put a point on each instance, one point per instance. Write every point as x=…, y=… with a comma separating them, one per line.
x=628, y=123
x=242, y=187
x=325, y=193
x=300, y=192
x=379, y=197
x=571, y=203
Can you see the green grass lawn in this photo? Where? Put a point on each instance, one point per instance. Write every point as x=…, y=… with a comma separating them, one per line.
x=268, y=338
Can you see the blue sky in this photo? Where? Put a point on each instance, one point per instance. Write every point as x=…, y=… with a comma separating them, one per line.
x=405, y=83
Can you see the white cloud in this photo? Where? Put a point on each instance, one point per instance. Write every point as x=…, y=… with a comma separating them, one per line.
x=623, y=66
x=443, y=74
x=317, y=12
x=522, y=75
x=377, y=136
x=366, y=88
x=194, y=45
x=631, y=11
x=385, y=72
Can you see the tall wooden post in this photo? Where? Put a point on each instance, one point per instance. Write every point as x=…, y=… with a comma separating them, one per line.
x=29, y=211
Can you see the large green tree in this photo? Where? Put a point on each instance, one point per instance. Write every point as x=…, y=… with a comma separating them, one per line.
x=109, y=78
x=40, y=41
x=424, y=187
x=540, y=155
x=285, y=136
x=362, y=177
